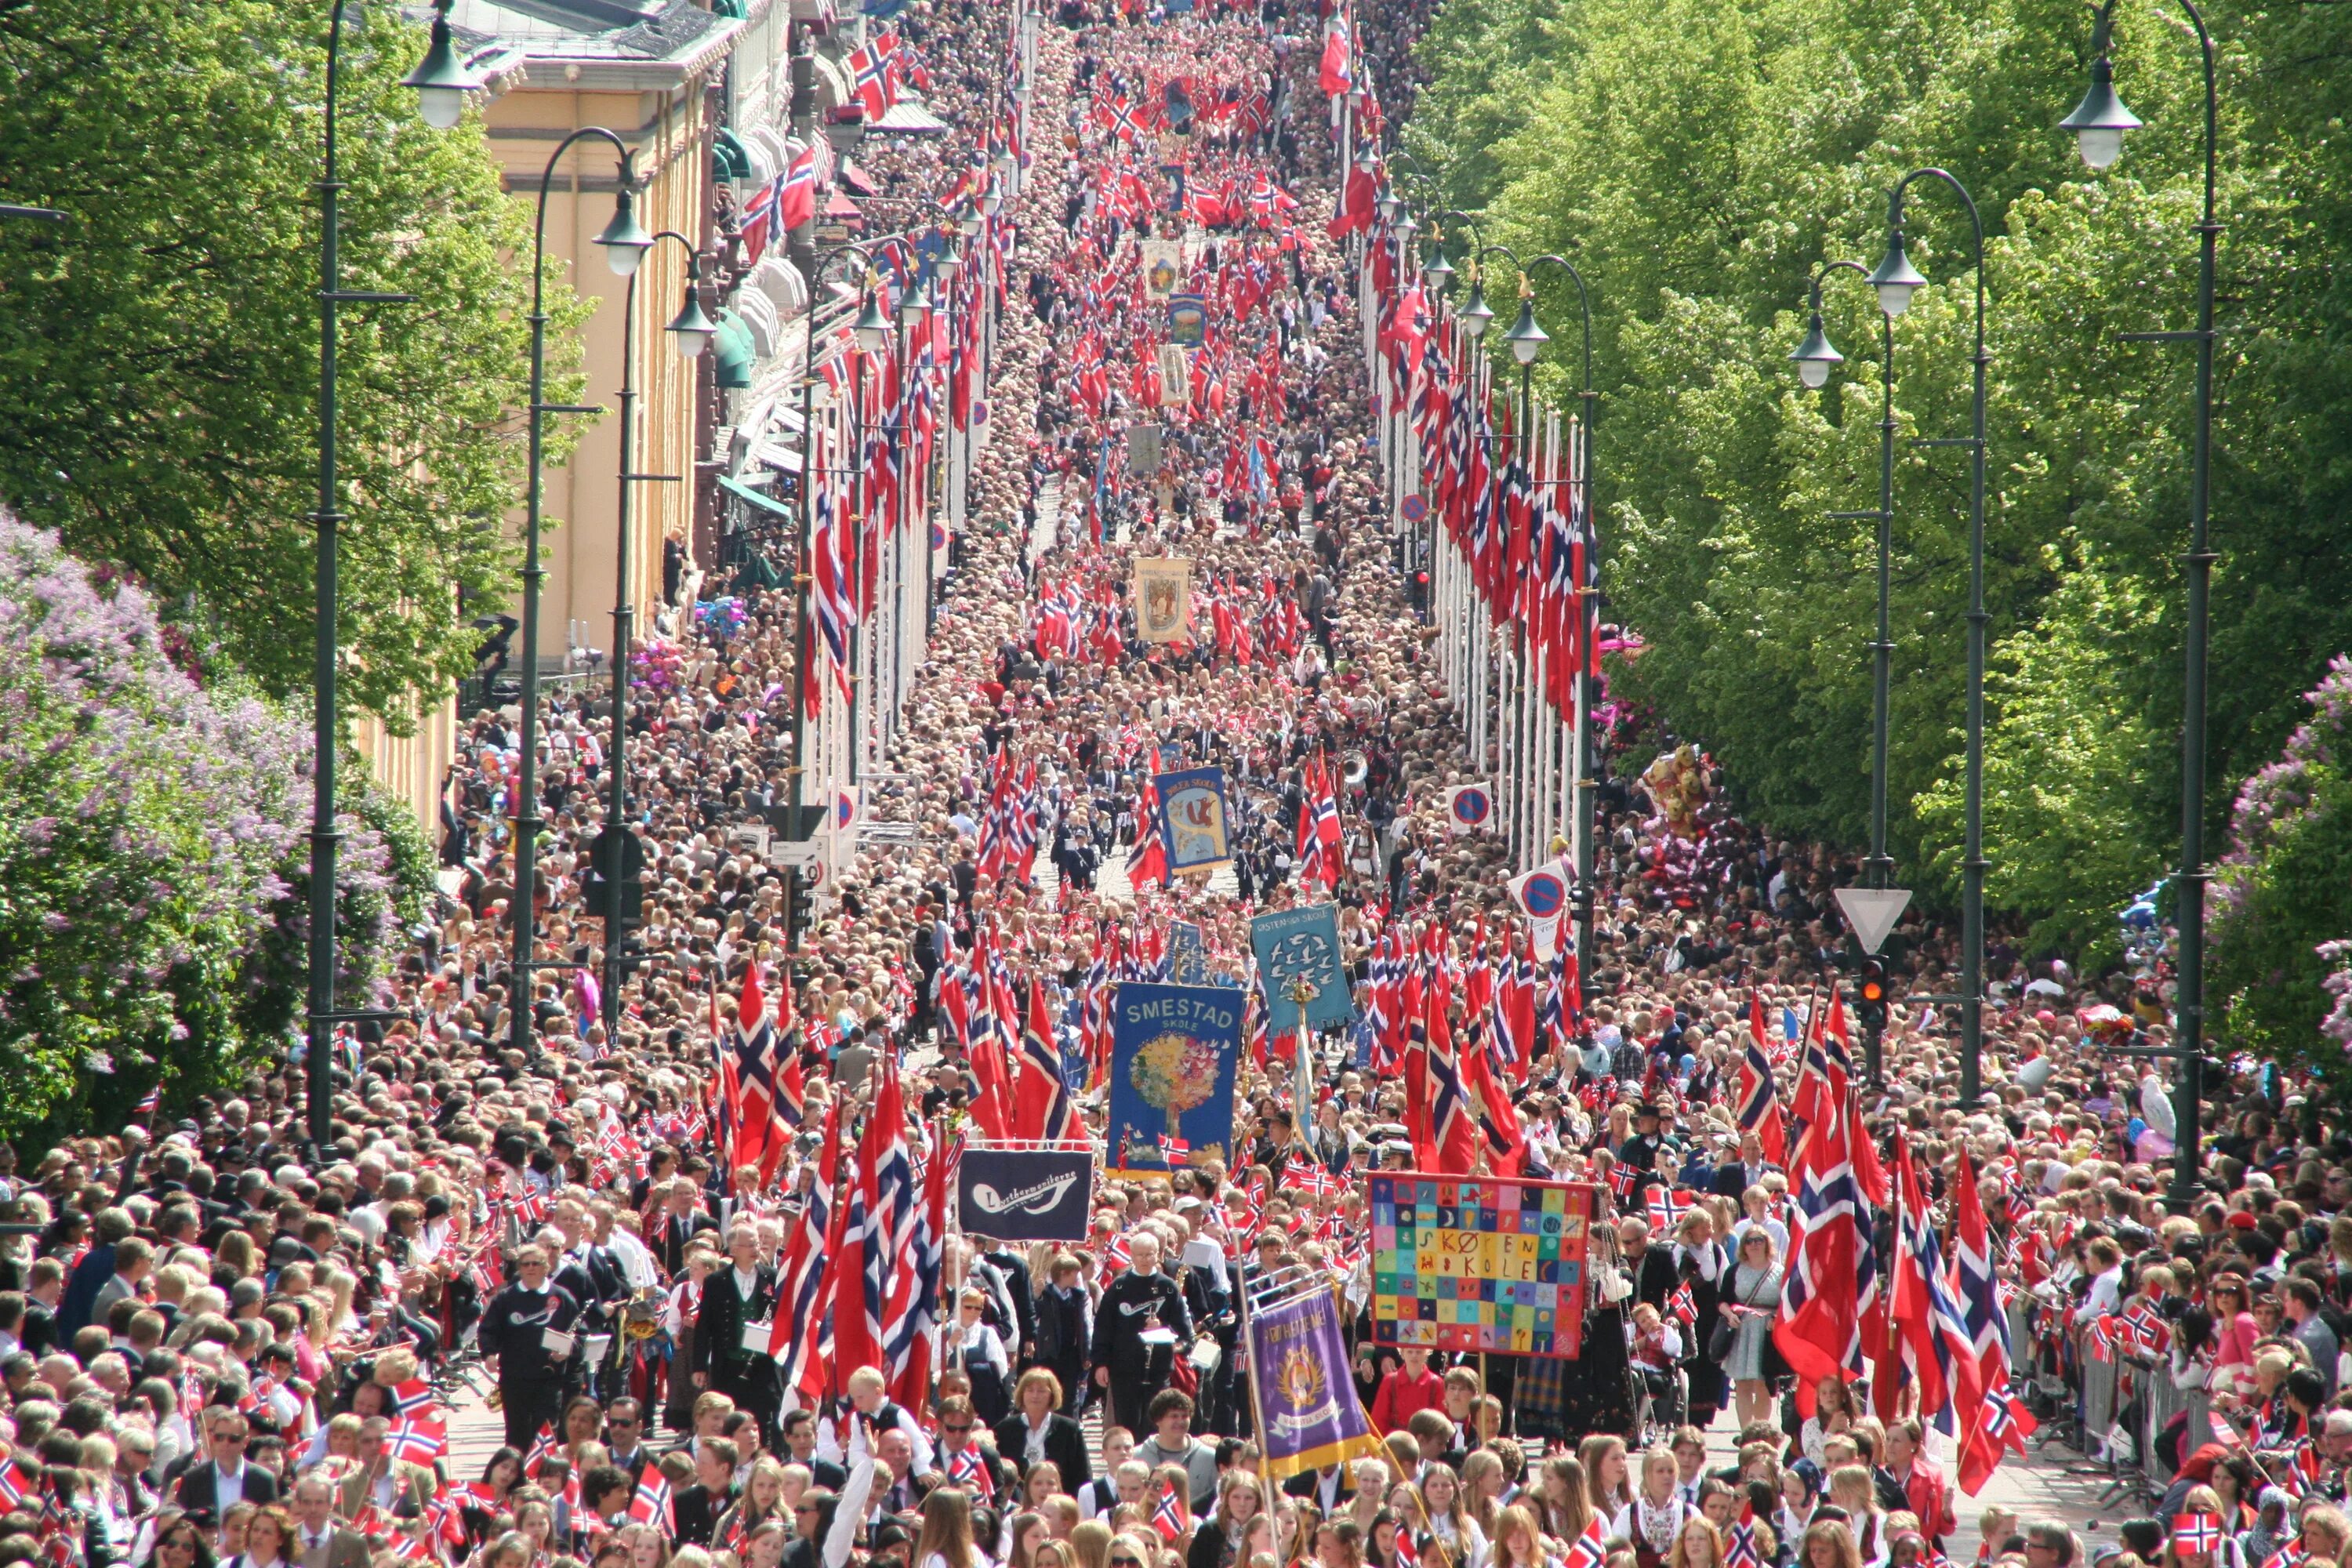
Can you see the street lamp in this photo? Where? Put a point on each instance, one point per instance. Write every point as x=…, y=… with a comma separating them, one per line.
x=1897, y=280
x=441, y=79
x=442, y=82
x=873, y=328
x=1525, y=346
x=1815, y=357
x=1526, y=336
x=690, y=330
x=626, y=245
x=2099, y=123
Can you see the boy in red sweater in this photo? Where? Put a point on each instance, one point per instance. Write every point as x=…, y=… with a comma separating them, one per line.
x=1411, y=1388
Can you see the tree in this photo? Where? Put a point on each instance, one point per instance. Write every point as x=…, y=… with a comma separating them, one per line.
x=159, y=356
x=1699, y=159
x=152, y=916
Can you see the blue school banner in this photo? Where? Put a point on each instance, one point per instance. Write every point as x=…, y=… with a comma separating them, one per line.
x=1174, y=1050
x=1188, y=960
x=1302, y=944
x=1192, y=818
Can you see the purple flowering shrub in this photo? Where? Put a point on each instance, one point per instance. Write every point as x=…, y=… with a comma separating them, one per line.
x=152, y=850
x=2280, y=910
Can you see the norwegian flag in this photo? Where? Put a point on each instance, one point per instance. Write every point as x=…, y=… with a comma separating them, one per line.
x=1739, y=1547
x=1114, y=1257
x=15, y=1486
x=542, y=1449
x=1819, y=1329
x=1759, y=1098
x=1174, y=1149
x=1682, y=1306
x=413, y=1397
x=1167, y=1517
x=653, y=1504
x=968, y=1467
x=801, y=1281
x=1977, y=1287
x=371, y=1522
x=1590, y=1550
x=145, y=1109
x=529, y=1208
x=420, y=1440
x=1927, y=1319
x=2291, y=1555
x=874, y=75
x=1668, y=1207
x=2195, y=1535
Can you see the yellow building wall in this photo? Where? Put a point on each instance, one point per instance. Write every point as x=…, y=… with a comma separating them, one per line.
x=581, y=498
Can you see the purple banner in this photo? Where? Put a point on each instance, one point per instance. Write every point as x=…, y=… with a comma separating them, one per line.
x=1308, y=1416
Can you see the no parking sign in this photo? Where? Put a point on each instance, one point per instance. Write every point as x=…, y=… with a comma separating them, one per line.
x=1469, y=808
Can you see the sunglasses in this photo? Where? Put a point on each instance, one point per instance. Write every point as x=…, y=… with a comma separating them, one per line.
x=1127, y=1563
x=946, y=1427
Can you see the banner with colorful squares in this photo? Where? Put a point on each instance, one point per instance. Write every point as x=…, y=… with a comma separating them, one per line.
x=1491, y=1264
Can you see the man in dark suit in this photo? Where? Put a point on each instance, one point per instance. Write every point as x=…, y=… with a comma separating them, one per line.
x=732, y=1299
x=1037, y=1430
x=206, y=1488
x=800, y=1443
x=1732, y=1180
x=625, y=1438
x=682, y=1219
x=698, y=1506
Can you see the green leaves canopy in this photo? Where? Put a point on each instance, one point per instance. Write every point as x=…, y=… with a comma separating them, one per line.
x=1697, y=159
x=159, y=356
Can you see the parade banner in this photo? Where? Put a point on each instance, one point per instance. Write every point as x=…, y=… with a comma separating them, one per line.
x=1188, y=320
x=1175, y=376
x=1302, y=944
x=1025, y=1194
x=1174, y=1050
x=1163, y=597
x=1188, y=960
x=1308, y=1418
x=1495, y=1264
x=1163, y=268
x=1192, y=818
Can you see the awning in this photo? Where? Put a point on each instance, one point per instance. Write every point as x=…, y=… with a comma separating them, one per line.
x=764, y=502
x=784, y=460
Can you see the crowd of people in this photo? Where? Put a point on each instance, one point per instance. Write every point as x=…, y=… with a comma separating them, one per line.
x=221, y=1344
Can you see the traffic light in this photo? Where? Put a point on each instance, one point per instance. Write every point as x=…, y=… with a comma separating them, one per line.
x=1870, y=1004
x=800, y=907
x=629, y=955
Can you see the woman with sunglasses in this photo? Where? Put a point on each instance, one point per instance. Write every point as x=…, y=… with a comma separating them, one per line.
x=1130, y=1552
x=180, y=1544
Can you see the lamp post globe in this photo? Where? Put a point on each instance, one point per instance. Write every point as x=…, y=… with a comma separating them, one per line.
x=1816, y=356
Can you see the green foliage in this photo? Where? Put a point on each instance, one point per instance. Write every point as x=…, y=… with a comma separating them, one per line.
x=159, y=356
x=152, y=842
x=1697, y=160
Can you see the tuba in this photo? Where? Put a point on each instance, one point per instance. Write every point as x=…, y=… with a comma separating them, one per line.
x=1359, y=769
x=641, y=1316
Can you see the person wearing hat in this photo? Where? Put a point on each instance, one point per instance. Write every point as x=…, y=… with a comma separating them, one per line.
x=1639, y=1153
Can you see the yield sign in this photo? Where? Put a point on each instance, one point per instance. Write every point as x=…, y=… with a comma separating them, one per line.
x=1873, y=911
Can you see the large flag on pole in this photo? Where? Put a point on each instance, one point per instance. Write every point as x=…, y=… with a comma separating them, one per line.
x=1818, y=1332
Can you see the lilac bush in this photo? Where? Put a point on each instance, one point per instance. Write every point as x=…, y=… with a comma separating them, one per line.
x=152, y=850
x=2281, y=904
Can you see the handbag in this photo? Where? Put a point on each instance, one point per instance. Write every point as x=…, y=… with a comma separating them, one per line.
x=1719, y=1342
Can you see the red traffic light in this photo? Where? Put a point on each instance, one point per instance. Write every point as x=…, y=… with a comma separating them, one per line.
x=1872, y=991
